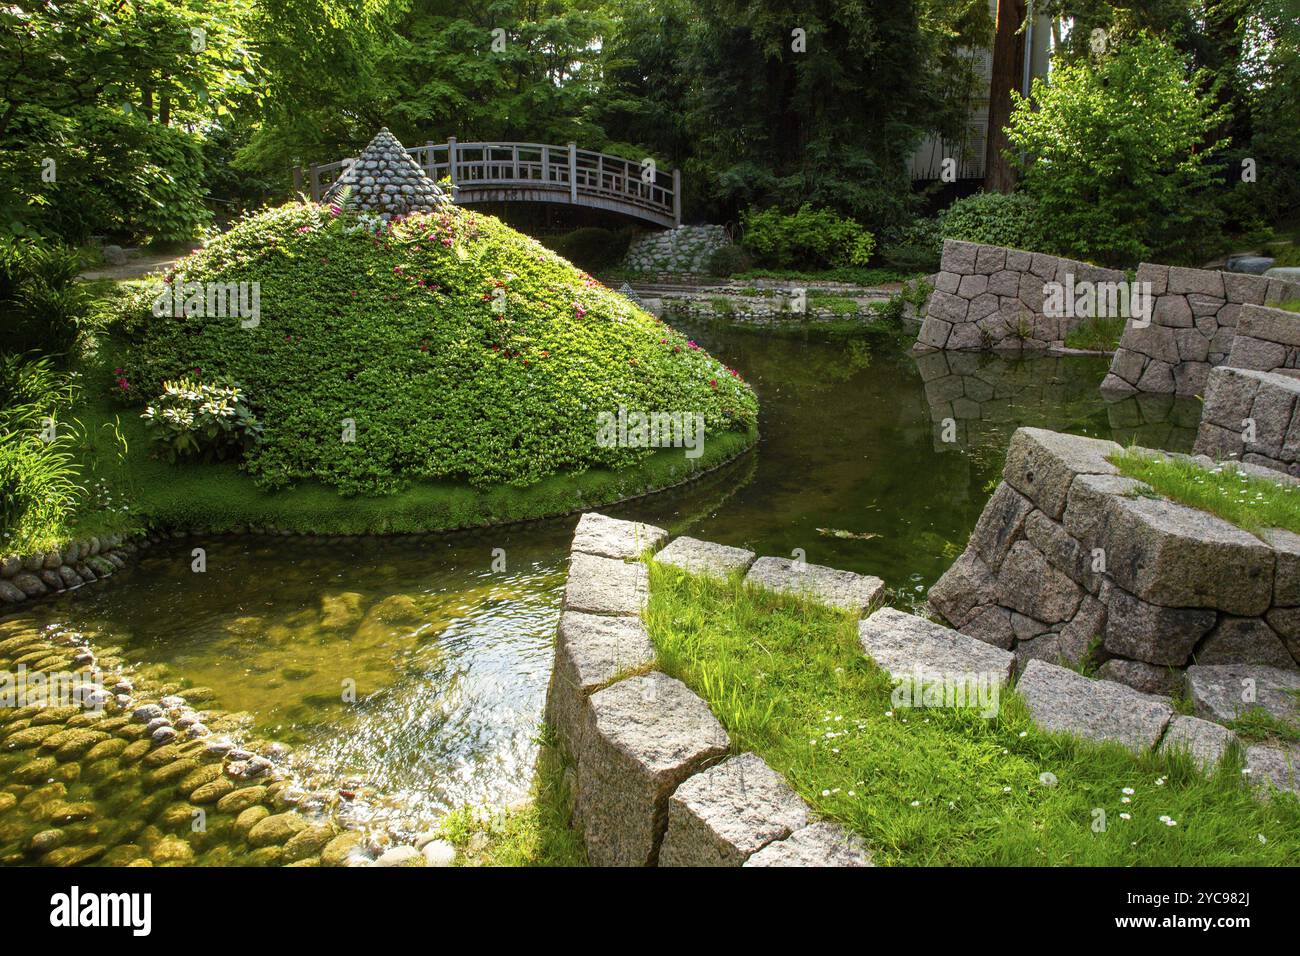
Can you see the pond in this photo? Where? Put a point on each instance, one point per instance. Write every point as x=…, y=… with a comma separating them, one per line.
x=417, y=667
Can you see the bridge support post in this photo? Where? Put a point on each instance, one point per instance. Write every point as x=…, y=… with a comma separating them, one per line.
x=573, y=173
x=297, y=179
x=451, y=163
x=428, y=159
x=677, y=197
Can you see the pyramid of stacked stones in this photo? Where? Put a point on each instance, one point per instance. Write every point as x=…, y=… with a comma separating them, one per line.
x=386, y=180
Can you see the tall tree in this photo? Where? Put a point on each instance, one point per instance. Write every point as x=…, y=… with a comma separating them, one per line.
x=1007, y=76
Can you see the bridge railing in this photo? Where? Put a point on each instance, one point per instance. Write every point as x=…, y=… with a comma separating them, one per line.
x=590, y=178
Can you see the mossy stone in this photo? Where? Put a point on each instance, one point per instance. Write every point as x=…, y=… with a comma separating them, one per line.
x=68, y=773
x=59, y=812
x=54, y=715
x=265, y=856
x=249, y=819
x=7, y=802
x=134, y=751
x=36, y=771
x=73, y=855
x=171, y=851
x=336, y=852
x=199, y=777
x=106, y=748
x=308, y=842
x=212, y=791
x=276, y=829
x=173, y=772
x=176, y=816
x=46, y=840
x=163, y=755
x=240, y=800
x=122, y=855
x=30, y=736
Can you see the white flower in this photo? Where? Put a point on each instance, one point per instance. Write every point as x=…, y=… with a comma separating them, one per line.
x=916, y=803
x=1128, y=790
x=1126, y=816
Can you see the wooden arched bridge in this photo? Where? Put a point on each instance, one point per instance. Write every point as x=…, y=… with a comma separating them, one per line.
x=536, y=172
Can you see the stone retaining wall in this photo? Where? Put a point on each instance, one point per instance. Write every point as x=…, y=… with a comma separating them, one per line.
x=988, y=297
x=685, y=249
x=1070, y=559
x=1253, y=417
x=763, y=310
x=655, y=782
x=1267, y=340
x=1194, y=319
x=28, y=577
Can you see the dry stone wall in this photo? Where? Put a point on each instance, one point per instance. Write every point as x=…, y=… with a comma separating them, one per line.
x=1070, y=559
x=1267, y=340
x=1194, y=319
x=988, y=297
x=654, y=778
x=1253, y=417
x=684, y=249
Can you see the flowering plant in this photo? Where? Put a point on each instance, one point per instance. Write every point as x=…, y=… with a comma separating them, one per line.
x=196, y=420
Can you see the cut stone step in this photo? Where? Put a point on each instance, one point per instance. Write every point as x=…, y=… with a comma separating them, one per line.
x=705, y=557
x=642, y=737
x=1223, y=692
x=605, y=585
x=1204, y=740
x=820, y=844
x=1063, y=700
x=905, y=645
x=590, y=651
x=612, y=538
x=839, y=589
x=722, y=816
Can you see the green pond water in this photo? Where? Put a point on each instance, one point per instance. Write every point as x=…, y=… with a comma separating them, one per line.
x=418, y=668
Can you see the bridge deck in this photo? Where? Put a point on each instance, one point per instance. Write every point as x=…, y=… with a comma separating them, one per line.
x=537, y=172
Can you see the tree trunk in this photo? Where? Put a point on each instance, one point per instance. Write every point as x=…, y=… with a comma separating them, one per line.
x=1008, y=64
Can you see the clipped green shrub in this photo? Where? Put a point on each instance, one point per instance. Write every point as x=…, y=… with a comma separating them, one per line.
x=808, y=238
x=443, y=346
x=995, y=219
x=592, y=248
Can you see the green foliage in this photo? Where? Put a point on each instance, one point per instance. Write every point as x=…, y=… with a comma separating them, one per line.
x=1115, y=153
x=591, y=248
x=457, y=348
x=1099, y=334
x=41, y=297
x=918, y=248
x=995, y=219
x=38, y=476
x=728, y=260
x=198, y=420
x=811, y=238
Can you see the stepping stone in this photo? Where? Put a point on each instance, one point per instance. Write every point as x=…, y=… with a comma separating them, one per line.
x=590, y=651
x=838, y=589
x=1062, y=700
x=821, y=844
x=641, y=738
x=727, y=813
x=1204, y=740
x=705, y=557
x=1223, y=692
x=605, y=585
x=906, y=645
x=1276, y=764
x=612, y=538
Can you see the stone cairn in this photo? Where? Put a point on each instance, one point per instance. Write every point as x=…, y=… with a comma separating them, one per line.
x=386, y=180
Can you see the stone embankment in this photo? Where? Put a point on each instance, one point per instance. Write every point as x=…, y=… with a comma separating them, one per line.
x=655, y=779
x=1196, y=318
x=1070, y=560
x=1253, y=417
x=988, y=297
x=687, y=249
x=24, y=578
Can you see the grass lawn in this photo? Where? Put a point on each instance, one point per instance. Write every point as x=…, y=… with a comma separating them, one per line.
x=943, y=787
x=1250, y=503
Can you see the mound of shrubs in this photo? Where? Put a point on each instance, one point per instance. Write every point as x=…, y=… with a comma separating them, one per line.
x=441, y=346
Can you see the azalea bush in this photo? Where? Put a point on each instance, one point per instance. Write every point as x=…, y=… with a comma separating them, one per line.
x=441, y=346
x=192, y=419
